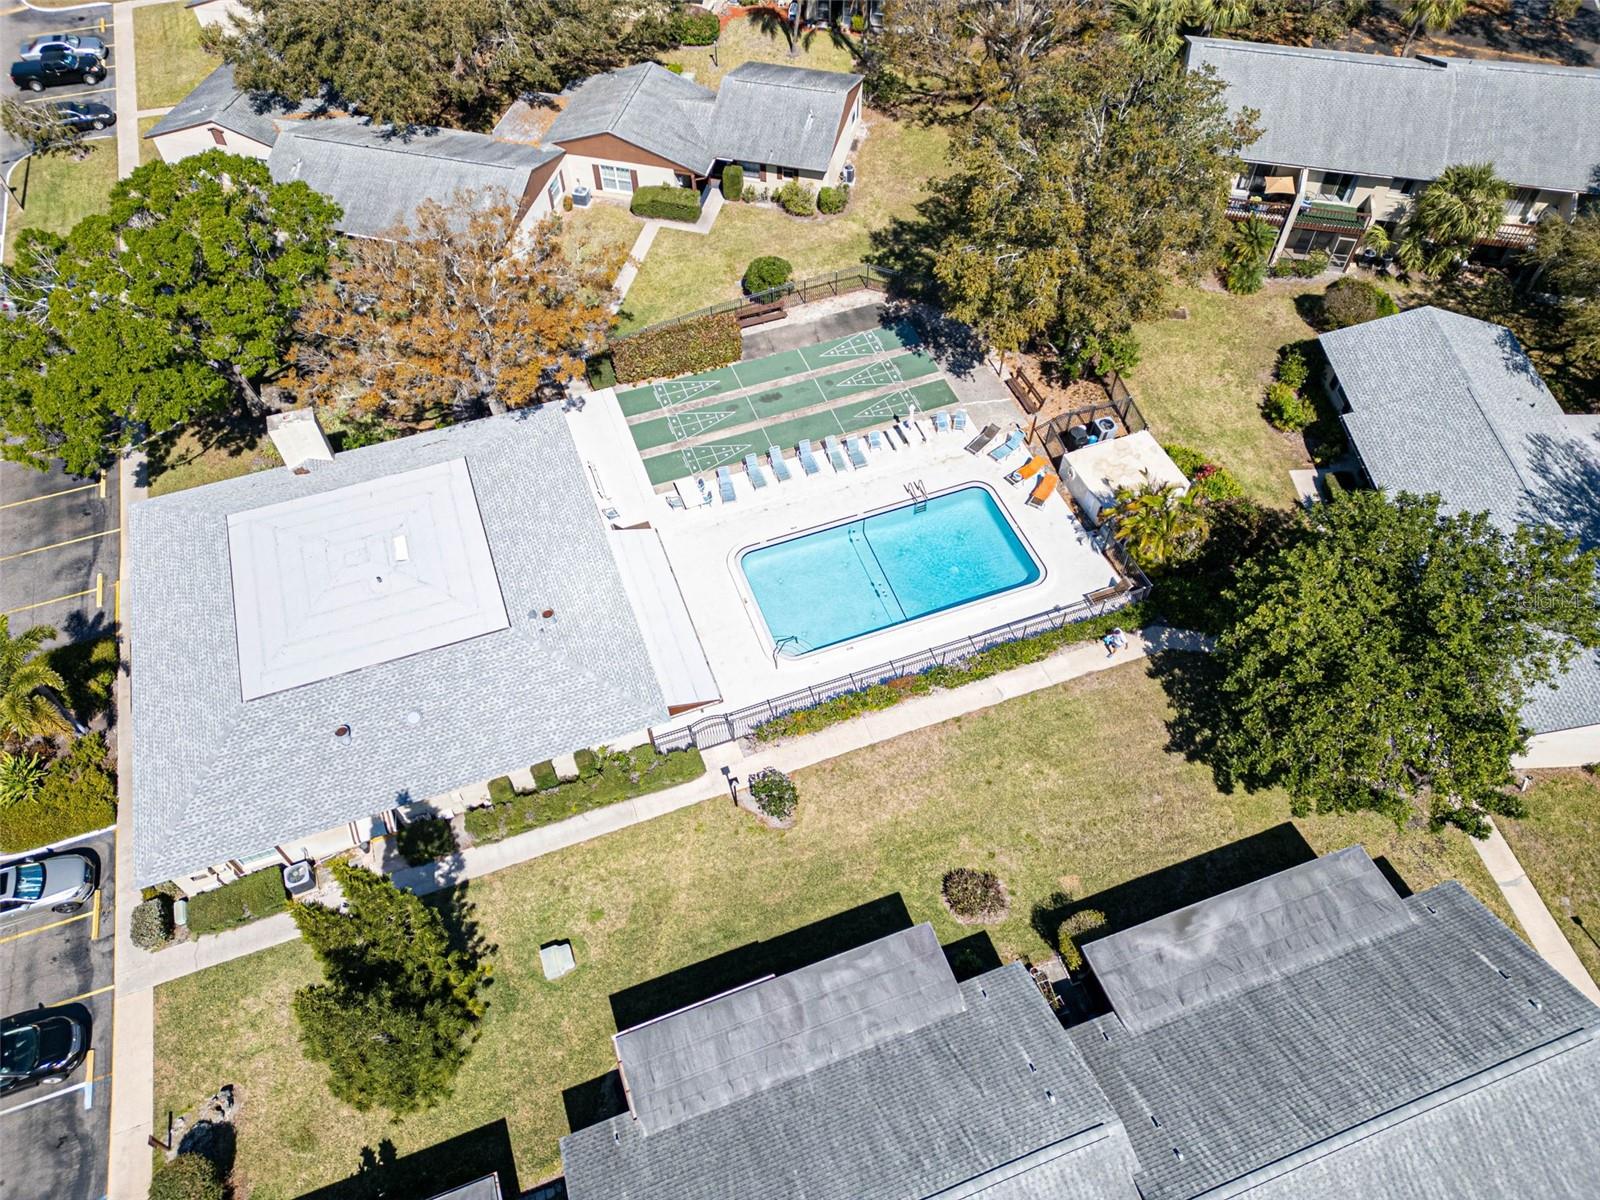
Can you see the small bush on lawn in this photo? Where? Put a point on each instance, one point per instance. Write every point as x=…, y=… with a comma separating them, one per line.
x=257, y=895
x=152, y=923
x=675, y=68
x=774, y=793
x=796, y=198
x=700, y=344
x=666, y=202
x=858, y=23
x=1292, y=369
x=187, y=1177
x=21, y=776
x=1207, y=481
x=1286, y=408
x=1351, y=301
x=974, y=895
x=544, y=776
x=696, y=27
x=765, y=273
x=77, y=795
x=733, y=182
x=1084, y=921
x=424, y=841
x=832, y=200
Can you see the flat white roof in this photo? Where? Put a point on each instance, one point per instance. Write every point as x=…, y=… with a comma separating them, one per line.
x=1124, y=462
x=333, y=582
x=669, y=633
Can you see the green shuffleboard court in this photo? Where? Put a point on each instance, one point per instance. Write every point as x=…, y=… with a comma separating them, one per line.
x=688, y=389
x=849, y=417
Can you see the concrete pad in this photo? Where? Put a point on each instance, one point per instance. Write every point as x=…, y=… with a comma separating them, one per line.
x=566, y=766
x=556, y=959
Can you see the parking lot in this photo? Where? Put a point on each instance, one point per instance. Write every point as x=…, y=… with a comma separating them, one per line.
x=59, y=541
x=17, y=25
x=55, y=1136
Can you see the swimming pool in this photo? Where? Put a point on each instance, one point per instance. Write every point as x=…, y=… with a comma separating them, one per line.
x=830, y=585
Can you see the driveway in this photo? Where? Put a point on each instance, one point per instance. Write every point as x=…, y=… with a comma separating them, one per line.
x=18, y=23
x=59, y=544
x=55, y=1136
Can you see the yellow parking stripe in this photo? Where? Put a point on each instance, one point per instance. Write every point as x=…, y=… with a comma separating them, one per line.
x=14, y=937
x=94, y=925
x=64, y=492
x=82, y=996
x=97, y=591
x=88, y=537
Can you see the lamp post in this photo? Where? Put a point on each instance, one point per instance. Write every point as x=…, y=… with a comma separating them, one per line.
x=733, y=783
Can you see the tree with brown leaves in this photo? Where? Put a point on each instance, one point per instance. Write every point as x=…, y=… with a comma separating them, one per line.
x=458, y=313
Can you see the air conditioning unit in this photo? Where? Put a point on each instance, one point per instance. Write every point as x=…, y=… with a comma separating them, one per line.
x=580, y=197
x=847, y=173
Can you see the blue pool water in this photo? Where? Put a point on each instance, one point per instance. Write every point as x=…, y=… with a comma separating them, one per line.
x=834, y=584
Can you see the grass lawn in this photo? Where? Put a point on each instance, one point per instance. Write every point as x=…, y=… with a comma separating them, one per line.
x=1558, y=844
x=60, y=191
x=755, y=39
x=147, y=150
x=1068, y=790
x=166, y=40
x=1201, y=381
x=195, y=458
x=600, y=230
x=686, y=271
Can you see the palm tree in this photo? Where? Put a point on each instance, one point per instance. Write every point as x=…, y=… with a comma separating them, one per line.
x=24, y=713
x=1150, y=24
x=1157, y=523
x=1437, y=15
x=1245, y=262
x=1454, y=212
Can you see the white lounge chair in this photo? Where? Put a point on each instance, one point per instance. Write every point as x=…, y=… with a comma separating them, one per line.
x=725, y=485
x=960, y=419
x=1008, y=447
x=835, y=453
x=753, y=469
x=875, y=439
x=808, y=460
x=780, y=469
x=941, y=421
x=857, y=451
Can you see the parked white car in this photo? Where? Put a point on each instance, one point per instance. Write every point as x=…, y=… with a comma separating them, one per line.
x=59, y=882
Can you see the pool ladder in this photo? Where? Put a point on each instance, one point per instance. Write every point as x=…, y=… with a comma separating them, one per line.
x=918, y=491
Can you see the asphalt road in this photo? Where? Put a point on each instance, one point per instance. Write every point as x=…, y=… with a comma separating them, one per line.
x=59, y=549
x=54, y=1137
x=19, y=23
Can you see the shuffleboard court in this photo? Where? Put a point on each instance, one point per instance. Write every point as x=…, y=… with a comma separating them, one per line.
x=692, y=423
x=855, y=345
x=654, y=397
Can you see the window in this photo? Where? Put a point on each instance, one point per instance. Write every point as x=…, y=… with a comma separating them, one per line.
x=554, y=190
x=1339, y=187
x=1406, y=187
x=682, y=180
x=786, y=172
x=1252, y=181
x=1522, y=203
x=217, y=137
x=615, y=179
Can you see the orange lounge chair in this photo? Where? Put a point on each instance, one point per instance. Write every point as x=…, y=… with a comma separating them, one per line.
x=1028, y=469
x=1044, y=488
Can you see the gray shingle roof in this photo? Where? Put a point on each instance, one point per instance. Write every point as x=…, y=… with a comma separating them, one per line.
x=1379, y=1064
x=487, y=1188
x=788, y=116
x=216, y=777
x=1448, y=404
x=215, y=100
x=1410, y=118
x=379, y=175
x=988, y=1099
x=646, y=105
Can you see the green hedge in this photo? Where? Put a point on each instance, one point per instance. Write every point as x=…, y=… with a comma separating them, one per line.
x=544, y=776
x=700, y=344
x=1207, y=480
x=733, y=182
x=615, y=777
x=78, y=795
x=980, y=666
x=696, y=28
x=832, y=200
x=666, y=202
x=257, y=895
x=765, y=273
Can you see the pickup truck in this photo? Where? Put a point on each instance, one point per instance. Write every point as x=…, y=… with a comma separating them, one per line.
x=54, y=68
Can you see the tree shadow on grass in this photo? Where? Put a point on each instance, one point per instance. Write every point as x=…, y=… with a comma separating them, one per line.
x=234, y=433
x=384, y=1174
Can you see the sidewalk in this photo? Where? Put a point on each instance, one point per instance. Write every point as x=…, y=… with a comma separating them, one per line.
x=127, y=90
x=1530, y=909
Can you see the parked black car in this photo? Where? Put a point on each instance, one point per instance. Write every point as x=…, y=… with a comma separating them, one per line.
x=44, y=1046
x=86, y=114
x=54, y=68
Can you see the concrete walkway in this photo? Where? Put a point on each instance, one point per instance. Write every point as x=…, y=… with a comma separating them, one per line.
x=1531, y=910
x=647, y=236
x=127, y=90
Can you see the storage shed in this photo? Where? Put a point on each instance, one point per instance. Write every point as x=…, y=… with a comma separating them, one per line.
x=1094, y=473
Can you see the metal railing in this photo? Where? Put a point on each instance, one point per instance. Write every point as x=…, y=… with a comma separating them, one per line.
x=730, y=726
x=799, y=291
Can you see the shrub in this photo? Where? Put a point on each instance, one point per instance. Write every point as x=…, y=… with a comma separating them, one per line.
x=1292, y=370
x=588, y=763
x=1286, y=409
x=699, y=344
x=152, y=923
x=1102, y=355
x=832, y=200
x=1351, y=301
x=187, y=1177
x=1244, y=275
x=974, y=895
x=566, y=204
x=774, y=793
x=500, y=790
x=544, y=776
x=625, y=775
x=425, y=840
x=21, y=775
x=1207, y=481
x=675, y=68
x=77, y=795
x=666, y=202
x=1309, y=267
x=695, y=27
x=733, y=182
x=257, y=895
x=89, y=670
x=858, y=23
x=796, y=199
x=1085, y=920
x=765, y=273
x=600, y=372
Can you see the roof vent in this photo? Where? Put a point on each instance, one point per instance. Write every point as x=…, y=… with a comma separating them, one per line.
x=342, y=732
x=810, y=117
x=1536, y=1004
x=1433, y=60
x=1177, y=1154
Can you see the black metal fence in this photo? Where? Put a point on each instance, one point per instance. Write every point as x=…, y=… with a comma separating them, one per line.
x=1119, y=404
x=729, y=726
x=796, y=291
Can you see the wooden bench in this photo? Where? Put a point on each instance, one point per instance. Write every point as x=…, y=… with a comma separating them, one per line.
x=759, y=314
